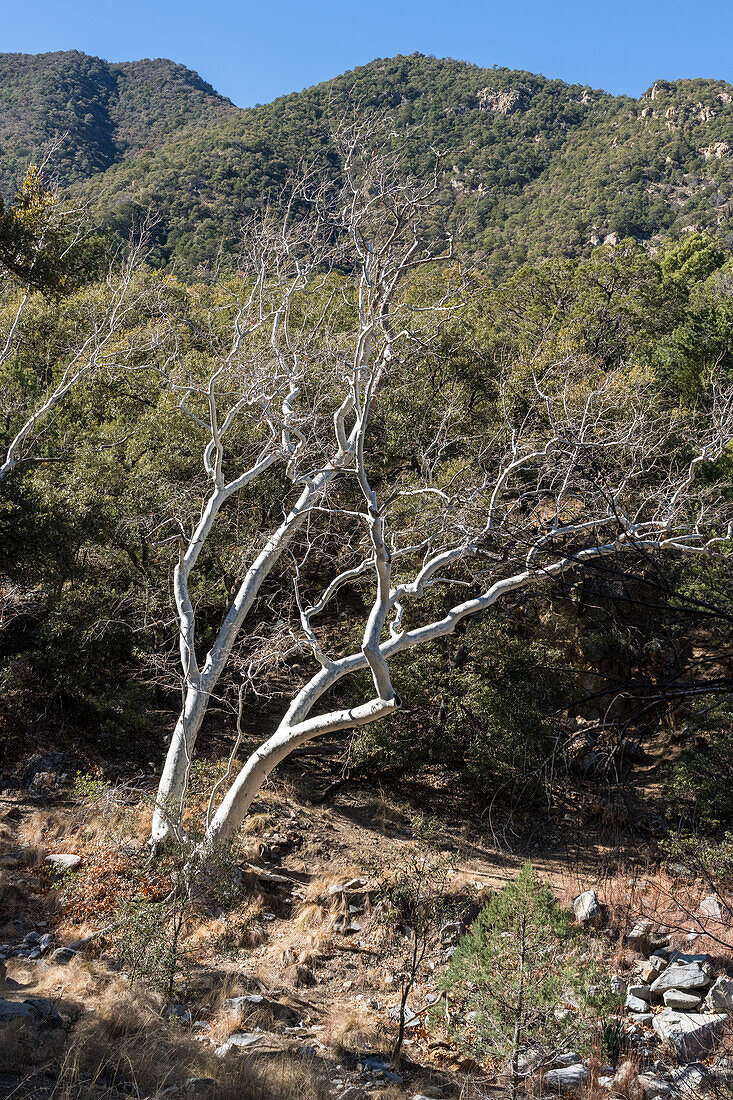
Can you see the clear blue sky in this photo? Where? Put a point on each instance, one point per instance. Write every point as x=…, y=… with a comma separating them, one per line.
x=254, y=51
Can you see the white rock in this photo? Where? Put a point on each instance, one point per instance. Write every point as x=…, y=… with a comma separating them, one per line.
x=644, y=1019
x=605, y=1082
x=686, y=976
x=63, y=861
x=639, y=933
x=568, y=1079
x=652, y=1087
x=687, y=1081
x=692, y=1034
x=720, y=995
x=635, y=1004
x=652, y=968
x=239, y=1041
x=676, y=998
x=642, y=991
x=711, y=907
x=587, y=908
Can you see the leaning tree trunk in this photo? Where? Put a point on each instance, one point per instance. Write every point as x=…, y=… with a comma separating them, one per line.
x=172, y=786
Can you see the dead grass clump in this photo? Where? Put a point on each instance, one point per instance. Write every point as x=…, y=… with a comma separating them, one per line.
x=76, y=983
x=44, y=827
x=311, y=915
x=283, y=1077
x=350, y=1028
x=626, y=1082
x=123, y=1043
x=258, y=823
x=303, y=949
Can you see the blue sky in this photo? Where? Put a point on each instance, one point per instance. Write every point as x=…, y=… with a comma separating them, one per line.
x=253, y=52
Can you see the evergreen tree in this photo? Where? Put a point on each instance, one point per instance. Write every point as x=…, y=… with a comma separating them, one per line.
x=518, y=978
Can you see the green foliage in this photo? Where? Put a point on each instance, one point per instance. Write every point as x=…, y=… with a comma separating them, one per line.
x=479, y=703
x=533, y=167
x=43, y=244
x=704, y=858
x=701, y=786
x=521, y=976
x=91, y=112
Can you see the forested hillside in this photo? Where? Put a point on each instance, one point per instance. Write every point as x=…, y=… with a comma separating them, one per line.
x=532, y=167
x=99, y=113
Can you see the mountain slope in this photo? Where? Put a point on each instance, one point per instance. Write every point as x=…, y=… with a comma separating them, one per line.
x=98, y=112
x=533, y=166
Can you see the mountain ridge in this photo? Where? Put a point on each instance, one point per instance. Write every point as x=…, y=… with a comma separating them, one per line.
x=534, y=166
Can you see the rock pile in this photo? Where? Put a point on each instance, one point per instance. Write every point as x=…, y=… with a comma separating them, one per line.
x=681, y=999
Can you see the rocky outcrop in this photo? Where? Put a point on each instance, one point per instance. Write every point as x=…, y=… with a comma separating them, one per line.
x=503, y=101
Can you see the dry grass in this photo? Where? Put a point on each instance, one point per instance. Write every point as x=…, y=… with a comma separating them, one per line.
x=311, y=915
x=123, y=1048
x=282, y=1077
x=626, y=1082
x=304, y=949
x=350, y=1027
x=77, y=983
x=634, y=894
x=258, y=823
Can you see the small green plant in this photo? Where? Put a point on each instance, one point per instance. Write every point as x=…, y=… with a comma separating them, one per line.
x=89, y=787
x=520, y=978
x=702, y=780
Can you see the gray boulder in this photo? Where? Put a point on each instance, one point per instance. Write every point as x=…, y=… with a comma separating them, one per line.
x=711, y=907
x=652, y=968
x=686, y=976
x=566, y=1058
x=720, y=995
x=252, y=1002
x=640, y=990
x=566, y=1080
x=687, y=1081
x=677, y=956
x=686, y=1002
x=587, y=908
x=15, y=1010
x=63, y=955
x=63, y=861
x=638, y=935
x=692, y=1034
x=635, y=1004
x=652, y=1087
x=35, y=1010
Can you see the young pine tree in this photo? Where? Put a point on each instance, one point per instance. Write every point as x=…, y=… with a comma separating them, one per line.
x=517, y=979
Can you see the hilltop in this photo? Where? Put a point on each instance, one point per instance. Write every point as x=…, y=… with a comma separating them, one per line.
x=533, y=167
